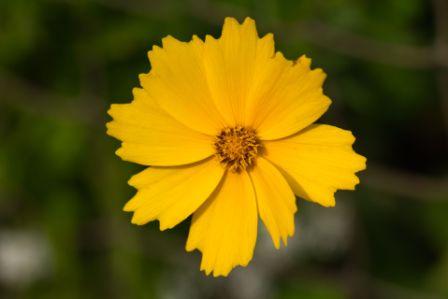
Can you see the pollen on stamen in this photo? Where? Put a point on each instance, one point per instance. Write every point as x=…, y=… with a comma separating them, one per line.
x=237, y=147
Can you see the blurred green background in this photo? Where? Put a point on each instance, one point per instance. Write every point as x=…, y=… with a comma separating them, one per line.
x=62, y=232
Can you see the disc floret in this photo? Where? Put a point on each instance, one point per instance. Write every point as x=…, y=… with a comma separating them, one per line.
x=237, y=147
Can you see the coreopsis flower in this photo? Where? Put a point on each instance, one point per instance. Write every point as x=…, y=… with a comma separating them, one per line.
x=226, y=128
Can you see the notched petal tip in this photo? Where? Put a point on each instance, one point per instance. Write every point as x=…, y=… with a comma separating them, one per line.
x=196, y=38
x=304, y=60
x=207, y=270
x=189, y=247
x=143, y=77
x=329, y=204
x=249, y=21
x=364, y=163
x=221, y=274
x=133, y=181
x=164, y=225
x=109, y=111
x=120, y=152
x=281, y=241
x=137, y=91
x=109, y=130
x=326, y=103
x=154, y=49
x=168, y=39
x=321, y=72
x=209, y=38
x=113, y=109
x=135, y=220
x=128, y=207
x=169, y=42
x=230, y=20
x=268, y=41
x=211, y=270
x=356, y=182
x=276, y=243
x=232, y=26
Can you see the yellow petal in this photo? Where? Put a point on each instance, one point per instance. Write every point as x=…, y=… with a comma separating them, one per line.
x=231, y=63
x=317, y=161
x=275, y=200
x=152, y=137
x=171, y=194
x=178, y=83
x=287, y=97
x=224, y=229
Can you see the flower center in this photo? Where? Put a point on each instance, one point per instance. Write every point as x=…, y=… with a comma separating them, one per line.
x=237, y=147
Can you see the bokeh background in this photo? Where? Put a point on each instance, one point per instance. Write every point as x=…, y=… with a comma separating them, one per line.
x=62, y=232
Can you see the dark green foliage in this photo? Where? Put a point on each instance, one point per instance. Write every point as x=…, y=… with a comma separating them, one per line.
x=62, y=62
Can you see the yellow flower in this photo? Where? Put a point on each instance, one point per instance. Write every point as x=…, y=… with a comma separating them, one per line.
x=226, y=126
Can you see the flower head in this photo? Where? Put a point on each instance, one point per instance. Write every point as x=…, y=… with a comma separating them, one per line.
x=226, y=128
